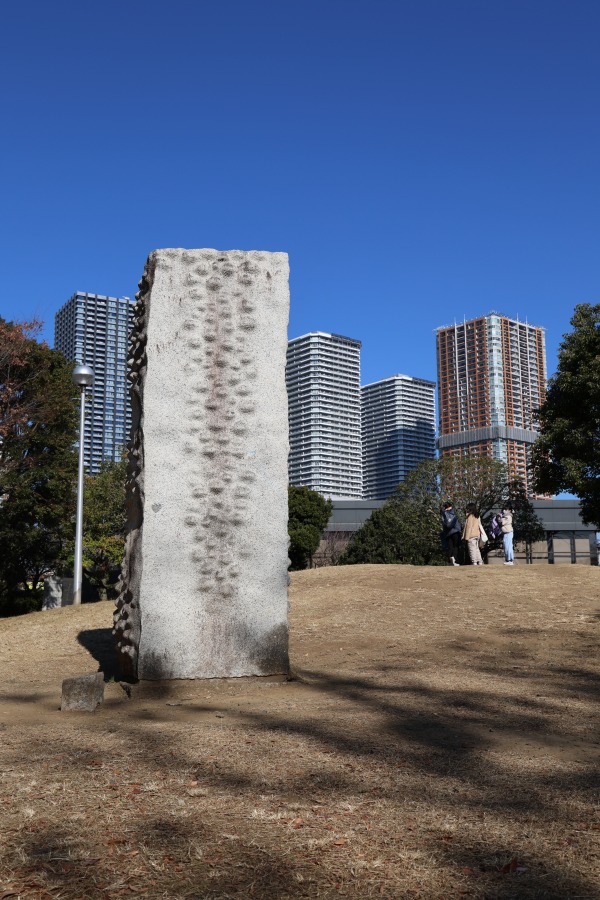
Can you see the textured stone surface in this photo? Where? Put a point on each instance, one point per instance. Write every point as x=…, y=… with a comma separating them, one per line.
x=52, y=592
x=67, y=591
x=204, y=584
x=84, y=692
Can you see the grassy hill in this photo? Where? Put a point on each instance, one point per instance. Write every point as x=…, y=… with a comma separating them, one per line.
x=439, y=739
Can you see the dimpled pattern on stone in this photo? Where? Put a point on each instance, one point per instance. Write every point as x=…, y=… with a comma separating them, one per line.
x=204, y=583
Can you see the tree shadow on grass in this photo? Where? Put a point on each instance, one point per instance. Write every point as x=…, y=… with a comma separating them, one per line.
x=214, y=852
x=373, y=743
x=190, y=862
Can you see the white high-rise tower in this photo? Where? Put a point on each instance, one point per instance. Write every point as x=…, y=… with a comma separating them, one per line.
x=323, y=385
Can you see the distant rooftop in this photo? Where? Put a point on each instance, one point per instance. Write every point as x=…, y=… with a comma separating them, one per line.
x=492, y=312
x=326, y=334
x=99, y=296
x=406, y=377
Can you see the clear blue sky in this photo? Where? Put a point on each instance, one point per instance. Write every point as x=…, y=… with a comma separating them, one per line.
x=420, y=161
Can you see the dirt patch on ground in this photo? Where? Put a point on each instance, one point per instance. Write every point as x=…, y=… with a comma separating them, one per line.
x=440, y=740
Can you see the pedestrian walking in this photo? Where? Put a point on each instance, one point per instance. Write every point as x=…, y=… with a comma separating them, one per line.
x=451, y=529
x=472, y=534
x=507, y=534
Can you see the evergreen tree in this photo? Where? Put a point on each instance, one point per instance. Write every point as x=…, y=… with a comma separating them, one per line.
x=38, y=469
x=104, y=525
x=566, y=456
x=309, y=513
x=527, y=526
x=378, y=540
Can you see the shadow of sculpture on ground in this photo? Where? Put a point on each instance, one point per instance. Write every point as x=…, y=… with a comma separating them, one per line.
x=100, y=644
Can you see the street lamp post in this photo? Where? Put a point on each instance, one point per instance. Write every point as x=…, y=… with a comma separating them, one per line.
x=83, y=376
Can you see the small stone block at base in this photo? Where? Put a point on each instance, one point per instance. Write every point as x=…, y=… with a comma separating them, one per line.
x=84, y=692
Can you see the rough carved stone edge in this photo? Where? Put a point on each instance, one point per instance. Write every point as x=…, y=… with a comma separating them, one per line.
x=127, y=619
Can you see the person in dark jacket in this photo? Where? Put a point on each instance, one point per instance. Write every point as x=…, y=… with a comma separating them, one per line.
x=451, y=530
x=495, y=527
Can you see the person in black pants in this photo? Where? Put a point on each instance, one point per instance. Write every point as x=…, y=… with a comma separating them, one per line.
x=451, y=531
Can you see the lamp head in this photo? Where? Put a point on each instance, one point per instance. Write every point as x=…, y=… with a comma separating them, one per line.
x=83, y=376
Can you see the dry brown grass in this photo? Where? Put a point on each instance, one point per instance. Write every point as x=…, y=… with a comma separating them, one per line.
x=441, y=740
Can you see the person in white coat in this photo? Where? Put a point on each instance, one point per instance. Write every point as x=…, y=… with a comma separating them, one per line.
x=472, y=534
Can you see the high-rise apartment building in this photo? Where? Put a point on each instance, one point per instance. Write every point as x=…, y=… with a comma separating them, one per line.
x=94, y=330
x=323, y=386
x=398, y=431
x=491, y=379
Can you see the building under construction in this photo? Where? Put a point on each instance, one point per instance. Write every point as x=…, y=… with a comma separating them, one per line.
x=491, y=380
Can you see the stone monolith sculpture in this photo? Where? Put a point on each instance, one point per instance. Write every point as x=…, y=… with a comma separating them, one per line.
x=203, y=590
